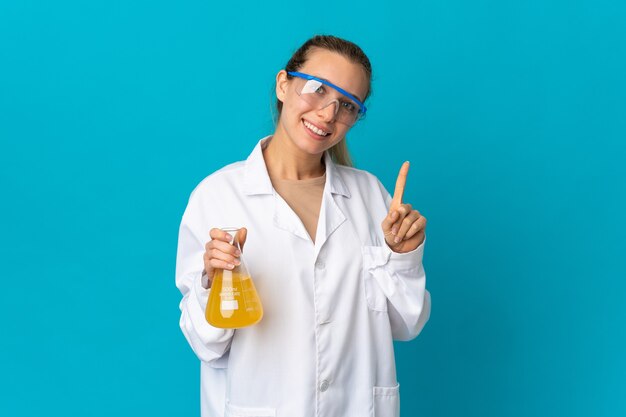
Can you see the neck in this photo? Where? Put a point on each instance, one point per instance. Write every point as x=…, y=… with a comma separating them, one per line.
x=284, y=160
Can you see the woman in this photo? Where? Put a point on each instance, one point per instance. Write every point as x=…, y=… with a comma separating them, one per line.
x=336, y=261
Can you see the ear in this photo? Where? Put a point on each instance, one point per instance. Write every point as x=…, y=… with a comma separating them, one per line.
x=281, y=85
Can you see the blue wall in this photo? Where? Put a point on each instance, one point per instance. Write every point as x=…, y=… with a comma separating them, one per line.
x=513, y=115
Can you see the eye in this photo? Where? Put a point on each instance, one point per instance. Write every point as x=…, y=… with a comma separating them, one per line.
x=321, y=90
x=348, y=107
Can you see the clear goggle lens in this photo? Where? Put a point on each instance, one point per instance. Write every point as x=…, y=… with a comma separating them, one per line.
x=320, y=95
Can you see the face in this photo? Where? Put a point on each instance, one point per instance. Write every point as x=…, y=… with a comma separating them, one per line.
x=310, y=129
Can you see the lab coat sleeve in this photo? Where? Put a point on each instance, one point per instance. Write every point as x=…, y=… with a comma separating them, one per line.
x=402, y=279
x=208, y=343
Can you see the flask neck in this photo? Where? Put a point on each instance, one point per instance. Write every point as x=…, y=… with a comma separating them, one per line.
x=235, y=236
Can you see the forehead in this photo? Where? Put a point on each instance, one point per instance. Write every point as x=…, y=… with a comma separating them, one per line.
x=337, y=69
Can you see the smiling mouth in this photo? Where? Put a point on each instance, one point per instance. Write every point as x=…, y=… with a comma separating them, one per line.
x=314, y=129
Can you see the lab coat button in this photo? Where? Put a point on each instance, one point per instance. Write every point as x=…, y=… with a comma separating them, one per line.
x=320, y=265
x=324, y=385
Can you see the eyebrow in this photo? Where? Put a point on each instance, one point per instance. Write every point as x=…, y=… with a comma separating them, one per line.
x=332, y=83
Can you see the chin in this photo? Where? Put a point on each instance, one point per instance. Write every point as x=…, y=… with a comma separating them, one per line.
x=310, y=147
x=315, y=147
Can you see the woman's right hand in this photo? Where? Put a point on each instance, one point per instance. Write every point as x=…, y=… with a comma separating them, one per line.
x=219, y=253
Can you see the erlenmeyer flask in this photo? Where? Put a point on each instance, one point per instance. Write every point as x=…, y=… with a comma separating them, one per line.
x=233, y=300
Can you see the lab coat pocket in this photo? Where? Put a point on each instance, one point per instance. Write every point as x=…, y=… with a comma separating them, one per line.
x=374, y=295
x=387, y=401
x=237, y=411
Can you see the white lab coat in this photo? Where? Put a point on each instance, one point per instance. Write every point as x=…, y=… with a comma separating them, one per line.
x=331, y=308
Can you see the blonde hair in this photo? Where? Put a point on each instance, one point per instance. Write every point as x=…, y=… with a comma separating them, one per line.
x=340, y=154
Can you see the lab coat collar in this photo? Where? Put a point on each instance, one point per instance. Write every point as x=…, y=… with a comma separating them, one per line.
x=257, y=180
x=334, y=181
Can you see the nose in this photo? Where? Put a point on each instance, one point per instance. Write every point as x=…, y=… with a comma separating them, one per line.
x=329, y=111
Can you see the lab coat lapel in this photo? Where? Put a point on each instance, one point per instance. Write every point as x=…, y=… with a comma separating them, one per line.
x=285, y=218
x=257, y=181
x=331, y=216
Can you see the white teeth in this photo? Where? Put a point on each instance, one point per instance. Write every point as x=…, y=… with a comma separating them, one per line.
x=315, y=129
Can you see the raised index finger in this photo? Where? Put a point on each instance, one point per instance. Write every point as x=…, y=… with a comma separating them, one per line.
x=400, y=184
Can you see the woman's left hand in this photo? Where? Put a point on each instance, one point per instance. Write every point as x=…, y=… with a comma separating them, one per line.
x=404, y=228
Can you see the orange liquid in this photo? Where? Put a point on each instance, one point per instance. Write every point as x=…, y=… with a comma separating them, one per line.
x=233, y=301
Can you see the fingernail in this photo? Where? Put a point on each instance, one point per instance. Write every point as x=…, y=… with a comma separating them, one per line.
x=237, y=262
x=397, y=239
x=228, y=237
x=394, y=214
x=231, y=266
x=394, y=231
x=237, y=252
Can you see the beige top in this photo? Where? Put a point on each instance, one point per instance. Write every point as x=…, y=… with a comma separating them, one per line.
x=305, y=199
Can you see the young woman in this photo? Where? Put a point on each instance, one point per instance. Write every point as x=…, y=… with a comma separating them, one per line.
x=337, y=261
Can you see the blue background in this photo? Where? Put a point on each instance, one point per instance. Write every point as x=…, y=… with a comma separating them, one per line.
x=513, y=115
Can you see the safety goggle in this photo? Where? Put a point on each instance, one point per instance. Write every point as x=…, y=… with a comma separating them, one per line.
x=348, y=108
